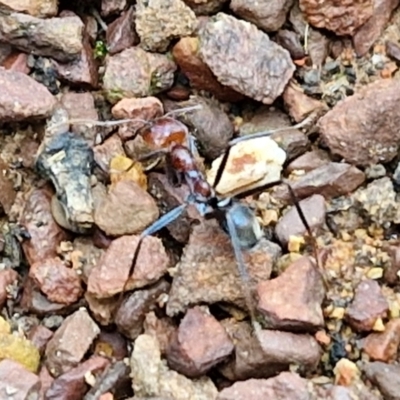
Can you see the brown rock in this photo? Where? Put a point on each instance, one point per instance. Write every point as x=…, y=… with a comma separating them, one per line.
x=199, y=344
x=115, y=378
x=386, y=377
x=126, y=209
x=266, y=15
x=208, y=273
x=34, y=301
x=160, y=21
x=186, y=55
x=7, y=191
x=211, y=126
x=152, y=377
x=393, y=50
x=18, y=381
x=7, y=277
x=17, y=61
x=45, y=381
x=137, y=73
x=45, y=234
x=292, y=301
x=291, y=42
x=109, y=275
x=362, y=128
x=58, y=38
x=299, y=105
x=390, y=273
x=82, y=70
x=290, y=224
x=383, y=346
x=41, y=9
x=121, y=32
x=81, y=106
x=205, y=7
x=111, y=344
x=367, y=34
x=329, y=180
x=318, y=47
x=367, y=306
x=58, y=282
x=144, y=109
x=105, y=152
x=286, y=386
x=39, y=336
x=171, y=197
x=341, y=18
x=232, y=48
x=85, y=255
x=160, y=328
x=309, y=161
x=132, y=312
x=70, y=342
x=109, y=7
x=103, y=310
x=267, y=353
x=16, y=100
x=72, y=384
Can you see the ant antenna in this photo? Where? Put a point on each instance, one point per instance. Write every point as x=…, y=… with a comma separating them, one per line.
x=269, y=132
x=117, y=122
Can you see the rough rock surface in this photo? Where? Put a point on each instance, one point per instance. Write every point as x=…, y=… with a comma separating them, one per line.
x=341, y=18
x=160, y=21
x=16, y=100
x=137, y=73
x=60, y=38
x=127, y=209
x=40, y=9
x=290, y=224
x=368, y=305
x=14, y=378
x=70, y=342
x=286, y=386
x=151, y=376
x=186, y=55
x=292, y=301
x=268, y=353
x=108, y=277
x=266, y=15
x=207, y=272
x=199, y=344
x=363, y=128
x=243, y=58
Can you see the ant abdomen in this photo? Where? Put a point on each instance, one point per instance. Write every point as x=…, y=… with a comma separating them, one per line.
x=247, y=227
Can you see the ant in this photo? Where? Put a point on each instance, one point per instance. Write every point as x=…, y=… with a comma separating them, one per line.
x=170, y=137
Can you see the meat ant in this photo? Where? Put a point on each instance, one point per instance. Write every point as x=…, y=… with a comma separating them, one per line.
x=171, y=138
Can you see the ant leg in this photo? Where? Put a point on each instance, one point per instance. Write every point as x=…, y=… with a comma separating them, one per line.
x=269, y=132
x=224, y=160
x=221, y=167
x=153, y=228
x=152, y=154
x=245, y=278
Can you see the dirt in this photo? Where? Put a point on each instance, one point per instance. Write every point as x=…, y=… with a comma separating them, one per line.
x=315, y=313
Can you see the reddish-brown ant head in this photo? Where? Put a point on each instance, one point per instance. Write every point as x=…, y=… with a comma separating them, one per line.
x=165, y=132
